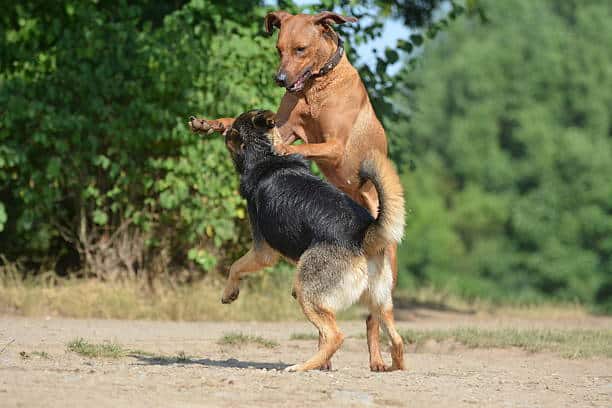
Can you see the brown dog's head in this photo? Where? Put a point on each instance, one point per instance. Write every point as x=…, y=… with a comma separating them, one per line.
x=305, y=43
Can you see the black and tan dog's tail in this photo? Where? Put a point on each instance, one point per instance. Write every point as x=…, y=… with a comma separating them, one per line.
x=389, y=225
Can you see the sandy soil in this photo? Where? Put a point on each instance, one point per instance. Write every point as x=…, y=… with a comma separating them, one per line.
x=250, y=376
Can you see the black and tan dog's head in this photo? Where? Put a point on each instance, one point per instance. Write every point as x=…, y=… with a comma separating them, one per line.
x=253, y=133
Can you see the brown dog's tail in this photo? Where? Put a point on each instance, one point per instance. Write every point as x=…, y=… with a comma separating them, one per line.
x=388, y=228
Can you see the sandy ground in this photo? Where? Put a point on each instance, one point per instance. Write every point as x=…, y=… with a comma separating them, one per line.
x=250, y=376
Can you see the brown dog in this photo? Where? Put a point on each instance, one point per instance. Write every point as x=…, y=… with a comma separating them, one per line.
x=327, y=106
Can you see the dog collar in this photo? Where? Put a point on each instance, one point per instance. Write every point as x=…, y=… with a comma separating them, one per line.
x=333, y=61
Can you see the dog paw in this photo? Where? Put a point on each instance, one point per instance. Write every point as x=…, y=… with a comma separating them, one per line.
x=293, y=368
x=327, y=366
x=230, y=296
x=395, y=367
x=283, y=149
x=200, y=126
x=378, y=366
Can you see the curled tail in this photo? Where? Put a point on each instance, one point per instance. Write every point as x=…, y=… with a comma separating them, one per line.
x=388, y=228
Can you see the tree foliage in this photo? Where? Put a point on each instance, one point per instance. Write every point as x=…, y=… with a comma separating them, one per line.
x=424, y=19
x=95, y=97
x=511, y=133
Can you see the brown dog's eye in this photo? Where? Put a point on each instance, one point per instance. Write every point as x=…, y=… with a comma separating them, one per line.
x=300, y=50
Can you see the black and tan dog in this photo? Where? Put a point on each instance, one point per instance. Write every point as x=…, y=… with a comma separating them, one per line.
x=338, y=246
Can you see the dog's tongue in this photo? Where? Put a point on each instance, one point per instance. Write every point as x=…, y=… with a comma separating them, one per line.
x=297, y=85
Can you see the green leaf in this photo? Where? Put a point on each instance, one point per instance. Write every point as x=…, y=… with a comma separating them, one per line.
x=3, y=217
x=100, y=217
x=416, y=39
x=392, y=55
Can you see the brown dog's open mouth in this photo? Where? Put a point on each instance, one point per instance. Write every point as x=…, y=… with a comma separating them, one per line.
x=299, y=83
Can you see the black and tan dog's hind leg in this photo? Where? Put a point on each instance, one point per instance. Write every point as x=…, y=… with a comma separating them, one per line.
x=327, y=366
x=258, y=257
x=328, y=279
x=331, y=338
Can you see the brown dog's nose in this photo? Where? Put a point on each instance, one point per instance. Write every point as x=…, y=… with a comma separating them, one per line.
x=281, y=79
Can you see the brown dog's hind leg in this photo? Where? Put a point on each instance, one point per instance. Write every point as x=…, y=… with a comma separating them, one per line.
x=332, y=338
x=369, y=200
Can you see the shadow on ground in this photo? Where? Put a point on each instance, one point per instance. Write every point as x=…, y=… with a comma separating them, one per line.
x=421, y=309
x=229, y=363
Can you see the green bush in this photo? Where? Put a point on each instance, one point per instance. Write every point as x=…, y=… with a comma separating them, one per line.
x=95, y=155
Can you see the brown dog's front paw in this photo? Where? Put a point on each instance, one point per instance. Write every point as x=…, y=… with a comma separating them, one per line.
x=230, y=296
x=283, y=149
x=200, y=126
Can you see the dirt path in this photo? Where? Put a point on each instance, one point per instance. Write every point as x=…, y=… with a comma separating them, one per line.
x=249, y=376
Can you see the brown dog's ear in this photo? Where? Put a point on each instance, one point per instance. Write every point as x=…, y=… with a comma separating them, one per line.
x=274, y=19
x=328, y=17
x=266, y=119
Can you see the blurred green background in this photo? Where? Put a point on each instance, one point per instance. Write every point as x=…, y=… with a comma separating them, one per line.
x=499, y=120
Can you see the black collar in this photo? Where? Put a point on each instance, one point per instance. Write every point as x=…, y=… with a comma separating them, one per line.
x=332, y=62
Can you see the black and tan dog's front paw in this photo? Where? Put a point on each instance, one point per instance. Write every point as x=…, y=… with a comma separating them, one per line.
x=230, y=295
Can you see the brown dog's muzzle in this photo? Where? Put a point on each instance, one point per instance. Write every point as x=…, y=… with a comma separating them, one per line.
x=281, y=79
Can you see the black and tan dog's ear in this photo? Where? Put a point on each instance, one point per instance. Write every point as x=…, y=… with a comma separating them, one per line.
x=274, y=19
x=266, y=119
x=329, y=17
x=233, y=140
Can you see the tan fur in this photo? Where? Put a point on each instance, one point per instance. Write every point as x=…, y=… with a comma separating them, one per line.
x=397, y=344
x=389, y=227
x=257, y=258
x=329, y=279
x=373, y=336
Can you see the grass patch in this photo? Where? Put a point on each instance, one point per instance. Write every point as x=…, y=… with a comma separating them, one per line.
x=92, y=299
x=41, y=354
x=180, y=357
x=239, y=339
x=87, y=349
x=575, y=343
x=304, y=336
x=266, y=297
x=437, y=299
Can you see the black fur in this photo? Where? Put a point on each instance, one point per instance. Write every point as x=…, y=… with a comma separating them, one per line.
x=289, y=207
